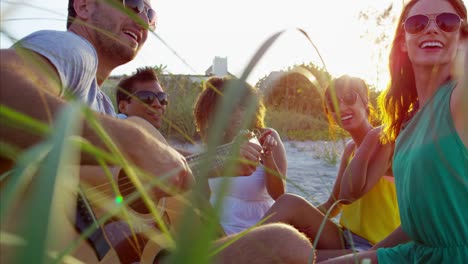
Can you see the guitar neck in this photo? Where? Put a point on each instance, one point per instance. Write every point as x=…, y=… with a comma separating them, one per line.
x=217, y=160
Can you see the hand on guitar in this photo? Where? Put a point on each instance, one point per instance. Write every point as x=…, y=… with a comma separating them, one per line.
x=163, y=160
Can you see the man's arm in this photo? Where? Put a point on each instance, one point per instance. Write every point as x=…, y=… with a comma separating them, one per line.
x=25, y=93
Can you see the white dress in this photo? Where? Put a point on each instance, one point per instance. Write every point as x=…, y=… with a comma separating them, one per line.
x=245, y=202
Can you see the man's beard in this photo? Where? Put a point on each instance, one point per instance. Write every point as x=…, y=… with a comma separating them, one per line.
x=109, y=44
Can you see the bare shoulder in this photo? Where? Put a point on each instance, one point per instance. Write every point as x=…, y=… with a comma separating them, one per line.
x=350, y=146
x=375, y=132
x=373, y=137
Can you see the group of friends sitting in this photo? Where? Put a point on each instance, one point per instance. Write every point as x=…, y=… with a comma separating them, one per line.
x=401, y=189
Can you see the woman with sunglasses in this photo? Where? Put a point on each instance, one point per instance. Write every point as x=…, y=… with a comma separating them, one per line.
x=423, y=116
x=365, y=198
x=248, y=198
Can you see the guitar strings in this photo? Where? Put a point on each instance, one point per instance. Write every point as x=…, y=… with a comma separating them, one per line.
x=194, y=157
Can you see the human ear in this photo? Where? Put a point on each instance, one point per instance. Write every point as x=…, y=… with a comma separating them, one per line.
x=403, y=46
x=82, y=9
x=123, y=106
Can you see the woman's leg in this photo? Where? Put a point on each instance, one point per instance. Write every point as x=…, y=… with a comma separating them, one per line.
x=296, y=211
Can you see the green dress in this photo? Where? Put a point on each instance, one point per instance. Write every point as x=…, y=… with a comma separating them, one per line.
x=430, y=165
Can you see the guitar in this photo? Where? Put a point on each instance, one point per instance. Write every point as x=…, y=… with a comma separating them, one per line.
x=124, y=229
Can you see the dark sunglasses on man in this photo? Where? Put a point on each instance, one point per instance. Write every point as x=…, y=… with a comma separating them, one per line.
x=138, y=6
x=148, y=97
x=448, y=22
x=348, y=99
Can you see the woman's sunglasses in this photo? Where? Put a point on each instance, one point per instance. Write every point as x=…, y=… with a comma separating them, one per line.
x=138, y=6
x=348, y=99
x=148, y=97
x=448, y=22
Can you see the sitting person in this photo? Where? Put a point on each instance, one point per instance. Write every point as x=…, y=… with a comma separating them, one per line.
x=364, y=196
x=248, y=198
x=141, y=95
x=47, y=66
x=424, y=113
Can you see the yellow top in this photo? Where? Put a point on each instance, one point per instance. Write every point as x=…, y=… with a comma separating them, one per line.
x=375, y=215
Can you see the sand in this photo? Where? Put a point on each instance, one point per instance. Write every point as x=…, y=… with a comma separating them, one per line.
x=312, y=168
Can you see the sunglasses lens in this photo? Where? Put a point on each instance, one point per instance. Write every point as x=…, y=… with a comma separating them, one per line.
x=136, y=5
x=162, y=98
x=148, y=97
x=416, y=24
x=448, y=22
x=349, y=99
x=151, y=19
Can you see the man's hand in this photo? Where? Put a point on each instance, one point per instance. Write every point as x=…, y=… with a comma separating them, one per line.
x=156, y=157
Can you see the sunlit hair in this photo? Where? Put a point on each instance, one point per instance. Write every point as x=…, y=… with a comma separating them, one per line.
x=355, y=84
x=400, y=98
x=213, y=90
x=126, y=85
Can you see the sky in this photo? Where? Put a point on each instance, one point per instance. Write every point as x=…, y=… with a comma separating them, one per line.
x=197, y=31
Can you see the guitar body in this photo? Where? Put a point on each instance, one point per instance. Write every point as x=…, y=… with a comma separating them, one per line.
x=129, y=229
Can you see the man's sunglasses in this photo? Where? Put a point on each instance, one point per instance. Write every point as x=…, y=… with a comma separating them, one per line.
x=448, y=22
x=148, y=97
x=348, y=99
x=138, y=6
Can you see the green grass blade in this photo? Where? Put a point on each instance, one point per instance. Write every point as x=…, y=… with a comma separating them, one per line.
x=48, y=189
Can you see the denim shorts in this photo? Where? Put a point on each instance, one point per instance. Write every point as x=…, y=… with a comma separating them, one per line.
x=355, y=242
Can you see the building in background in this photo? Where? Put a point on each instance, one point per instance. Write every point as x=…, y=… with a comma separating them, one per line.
x=218, y=68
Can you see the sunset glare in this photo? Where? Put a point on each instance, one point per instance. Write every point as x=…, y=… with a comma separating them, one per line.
x=197, y=31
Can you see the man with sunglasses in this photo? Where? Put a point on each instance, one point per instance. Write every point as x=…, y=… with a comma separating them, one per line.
x=142, y=95
x=47, y=67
